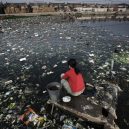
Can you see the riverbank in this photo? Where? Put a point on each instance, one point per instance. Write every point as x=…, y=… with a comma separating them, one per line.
x=72, y=15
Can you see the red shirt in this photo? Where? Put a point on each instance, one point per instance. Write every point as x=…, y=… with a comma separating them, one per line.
x=76, y=81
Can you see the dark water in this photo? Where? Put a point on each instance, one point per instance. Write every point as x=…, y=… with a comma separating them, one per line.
x=46, y=45
x=116, y=27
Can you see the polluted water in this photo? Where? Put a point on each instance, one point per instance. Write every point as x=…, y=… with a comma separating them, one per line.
x=34, y=52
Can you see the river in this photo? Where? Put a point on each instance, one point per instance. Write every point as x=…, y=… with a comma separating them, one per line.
x=34, y=51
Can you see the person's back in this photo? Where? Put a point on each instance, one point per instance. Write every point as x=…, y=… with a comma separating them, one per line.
x=73, y=81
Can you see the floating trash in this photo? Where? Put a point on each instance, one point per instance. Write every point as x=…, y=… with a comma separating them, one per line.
x=44, y=67
x=23, y=59
x=36, y=34
x=8, y=82
x=30, y=116
x=55, y=66
x=48, y=73
x=68, y=38
x=64, y=61
x=92, y=55
x=91, y=61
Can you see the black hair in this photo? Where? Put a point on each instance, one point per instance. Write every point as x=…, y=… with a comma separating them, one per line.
x=72, y=63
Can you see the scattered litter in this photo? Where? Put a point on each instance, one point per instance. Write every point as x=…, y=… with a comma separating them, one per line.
x=8, y=82
x=64, y=61
x=44, y=67
x=30, y=116
x=44, y=91
x=68, y=38
x=91, y=61
x=92, y=55
x=48, y=73
x=23, y=59
x=55, y=66
x=36, y=34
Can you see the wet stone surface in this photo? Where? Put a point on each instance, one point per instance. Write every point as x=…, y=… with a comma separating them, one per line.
x=34, y=52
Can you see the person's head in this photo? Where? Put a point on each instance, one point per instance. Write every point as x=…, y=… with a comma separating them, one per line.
x=72, y=63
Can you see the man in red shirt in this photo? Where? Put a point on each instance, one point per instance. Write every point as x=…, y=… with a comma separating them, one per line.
x=72, y=80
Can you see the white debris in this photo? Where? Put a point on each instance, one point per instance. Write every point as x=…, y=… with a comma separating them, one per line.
x=100, y=67
x=91, y=61
x=13, y=49
x=92, y=55
x=44, y=67
x=53, y=28
x=123, y=69
x=7, y=93
x=2, y=54
x=127, y=80
x=48, y=73
x=68, y=38
x=55, y=66
x=113, y=72
x=8, y=82
x=7, y=63
x=105, y=65
x=36, y=34
x=44, y=74
x=44, y=91
x=64, y=61
x=23, y=59
x=119, y=46
x=101, y=74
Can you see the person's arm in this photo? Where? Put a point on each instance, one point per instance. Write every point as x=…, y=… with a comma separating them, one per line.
x=65, y=75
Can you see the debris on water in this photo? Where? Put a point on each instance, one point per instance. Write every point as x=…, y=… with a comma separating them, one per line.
x=44, y=74
x=44, y=67
x=68, y=38
x=12, y=105
x=123, y=69
x=44, y=91
x=64, y=61
x=92, y=55
x=23, y=59
x=48, y=73
x=8, y=82
x=30, y=116
x=55, y=66
x=2, y=54
x=36, y=34
x=127, y=80
x=7, y=93
x=91, y=61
